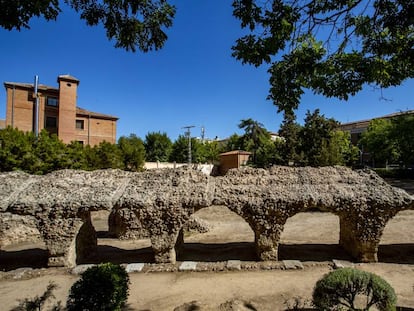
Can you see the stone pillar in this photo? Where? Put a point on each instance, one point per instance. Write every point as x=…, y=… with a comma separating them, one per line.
x=180, y=241
x=267, y=230
x=66, y=239
x=267, y=243
x=86, y=240
x=60, y=240
x=267, y=246
x=124, y=224
x=164, y=247
x=359, y=238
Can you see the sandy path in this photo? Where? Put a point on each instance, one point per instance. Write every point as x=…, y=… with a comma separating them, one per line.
x=266, y=290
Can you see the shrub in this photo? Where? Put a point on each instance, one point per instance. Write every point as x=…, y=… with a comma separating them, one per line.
x=101, y=288
x=37, y=303
x=339, y=289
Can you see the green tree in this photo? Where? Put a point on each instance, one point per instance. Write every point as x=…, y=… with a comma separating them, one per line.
x=211, y=151
x=234, y=142
x=338, y=150
x=132, y=152
x=77, y=156
x=132, y=24
x=157, y=147
x=206, y=151
x=379, y=141
x=314, y=132
x=16, y=152
x=105, y=155
x=289, y=131
x=269, y=153
x=179, y=152
x=331, y=47
x=403, y=134
x=254, y=137
x=50, y=154
x=339, y=289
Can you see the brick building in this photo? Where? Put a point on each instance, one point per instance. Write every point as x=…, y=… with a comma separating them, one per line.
x=356, y=128
x=58, y=112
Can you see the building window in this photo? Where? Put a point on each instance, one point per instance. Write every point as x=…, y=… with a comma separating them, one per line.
x=80, y=142
x=51, y=122
x=52, y=101
x=80, y=124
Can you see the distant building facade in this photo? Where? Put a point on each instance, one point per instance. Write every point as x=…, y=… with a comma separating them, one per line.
x=356, y=128
x=58, y=112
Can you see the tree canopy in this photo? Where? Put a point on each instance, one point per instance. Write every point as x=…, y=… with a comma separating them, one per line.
x=132, y=24
x=332, y=47
x=46, y=153
x=133, y=152
x=157, y=146
x=390, y=141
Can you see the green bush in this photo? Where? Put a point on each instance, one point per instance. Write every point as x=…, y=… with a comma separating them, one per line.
x=101, y=288
x=339, y=290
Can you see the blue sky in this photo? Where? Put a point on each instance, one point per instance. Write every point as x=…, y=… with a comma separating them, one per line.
x=193, y=80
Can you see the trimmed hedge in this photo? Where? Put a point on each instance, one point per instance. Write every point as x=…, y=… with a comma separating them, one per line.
x=339, y=289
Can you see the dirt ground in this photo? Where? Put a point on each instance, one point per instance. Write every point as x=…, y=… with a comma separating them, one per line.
x=309, y=237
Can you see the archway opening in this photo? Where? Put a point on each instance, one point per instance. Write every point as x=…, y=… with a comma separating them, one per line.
x=229, y=237
x=118, y=246
x=397, y=240
x=22, y=245
x=312, y=236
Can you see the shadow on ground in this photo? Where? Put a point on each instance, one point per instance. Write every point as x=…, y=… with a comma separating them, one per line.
x=30, y=258
x=396, y=253
x=106, y=253
x=312, y=252
x=208, y=252
x=212, y=252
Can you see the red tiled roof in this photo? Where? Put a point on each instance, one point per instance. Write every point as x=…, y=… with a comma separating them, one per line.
x=79, y=110
x=87, y=113
x=236, y=152
x=68, y=77
x=30, y=86
x=387, y=116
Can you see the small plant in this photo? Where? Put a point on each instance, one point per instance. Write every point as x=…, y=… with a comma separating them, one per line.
x=37, y=303
x=352, y=289
x=101, y=288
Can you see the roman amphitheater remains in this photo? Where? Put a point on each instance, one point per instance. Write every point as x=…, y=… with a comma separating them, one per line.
x=160, y=203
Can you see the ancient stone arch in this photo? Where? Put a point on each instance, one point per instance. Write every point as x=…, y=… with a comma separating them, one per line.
x=163, y=200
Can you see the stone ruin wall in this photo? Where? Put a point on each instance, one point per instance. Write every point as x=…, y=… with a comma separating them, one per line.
x=123, y=224
x=159, y=204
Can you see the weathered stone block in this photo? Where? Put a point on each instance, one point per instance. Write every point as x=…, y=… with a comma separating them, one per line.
x=188, y=266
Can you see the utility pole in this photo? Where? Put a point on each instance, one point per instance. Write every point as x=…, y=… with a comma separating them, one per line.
x=36, y=106
x=203, y=132
x=188, y=134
